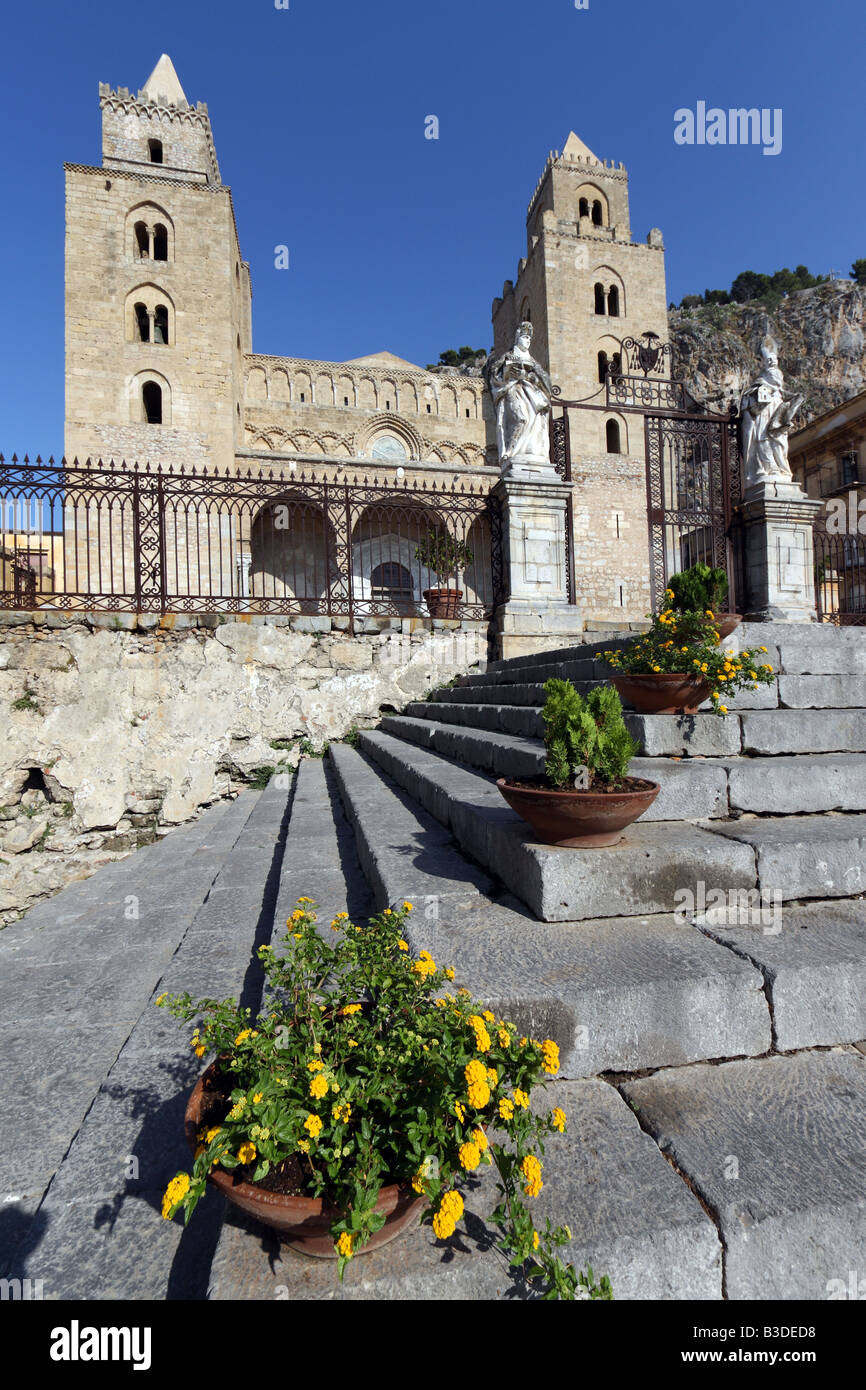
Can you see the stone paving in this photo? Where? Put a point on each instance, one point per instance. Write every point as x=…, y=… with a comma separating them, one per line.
x=714, y=1075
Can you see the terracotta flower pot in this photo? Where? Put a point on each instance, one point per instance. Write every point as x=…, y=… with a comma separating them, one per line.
x=579, y=820
x=303, y=1223
x=663, y=692
x=726, y=623
x=443, y=603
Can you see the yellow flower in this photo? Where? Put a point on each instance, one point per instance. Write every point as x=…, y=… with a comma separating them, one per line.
x=479, y=1139
x=344, y=1245
x=315, y=1065
x=424, y=965
x=766, y=665
x=242, y=1037
x=403, y=945
x=470, y=1156
x=449, y=1213
x=247, y=1152
x=479, y=1095
x=305, y=900
x=551, y=1057
x=488, y=1016
x=238, y=1109
x=199, y=1052
x=557, y=1119
x=318, y=1087
x=504, y=1038
x=657, y=668
x=257, y=1097
x=459, y=1111
x=350, y=1009
x=387, y=912
x=531, y=1170
x=409, y=907
x=710, y=613
x=521, y=1099
x=212, y=1134
x=443, y=1225
x=506, y=1109
x=418, y=1181
x=174, y=1193
x=536, y=1241
x=313, y=1125
x=352, y=1042
x=762, y=649
x=342, y=1112
x=723, y=709
x=304, y=1146
x=449, y=973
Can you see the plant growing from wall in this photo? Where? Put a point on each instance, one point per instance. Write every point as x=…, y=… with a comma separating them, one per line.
x=585, y=737
x=443, y=554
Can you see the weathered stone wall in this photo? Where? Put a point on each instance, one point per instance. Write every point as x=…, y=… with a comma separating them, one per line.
x=117, y=726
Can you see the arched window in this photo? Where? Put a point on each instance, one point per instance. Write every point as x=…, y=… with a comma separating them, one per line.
x=151, y=400
x=583, y=208
x=142, y=323
x=613, y=302
x=611, y=431
x=142, y=241
x=154, y=149
x=597, y=214
x=160, y=324
x=392, y=582
x=602, y=367
x=599, y=299
x=160, y=242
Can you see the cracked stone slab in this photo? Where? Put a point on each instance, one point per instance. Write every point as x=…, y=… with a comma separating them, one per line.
x=820, y=856
x=777, y=1149
x=813, y=957
x=630, y=1215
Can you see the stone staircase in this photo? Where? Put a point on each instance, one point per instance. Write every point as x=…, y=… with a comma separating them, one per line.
x=714, y=1075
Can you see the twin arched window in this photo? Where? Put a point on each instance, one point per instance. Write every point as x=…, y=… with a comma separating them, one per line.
x=607, y=301
x=593, y=210
x=150, y=325
x=150, y=241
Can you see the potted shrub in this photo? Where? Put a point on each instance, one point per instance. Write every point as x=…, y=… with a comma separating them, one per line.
x=361, y=1096
x=699, y=589
x=679, y=663
x=444, y=555
x=586, y=797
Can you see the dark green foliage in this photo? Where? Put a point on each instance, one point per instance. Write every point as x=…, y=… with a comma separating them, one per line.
x=697, y=589
x=585, y=731
x=455, y=357
x=858, y=272
x=752, y=284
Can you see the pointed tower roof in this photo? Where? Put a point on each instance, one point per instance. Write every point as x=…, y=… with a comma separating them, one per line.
x=163, y=85
x=574, y=148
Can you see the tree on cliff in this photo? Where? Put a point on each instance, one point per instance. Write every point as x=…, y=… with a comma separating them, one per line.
x=858, y=272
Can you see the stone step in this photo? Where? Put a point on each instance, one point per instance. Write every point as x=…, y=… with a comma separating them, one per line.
x=776, y=1150
x=100, y=1205
x=599, y=988
x=692, y=787
x=494, y=695
x=804, y=856
x=631, y=1215
x=639, y=876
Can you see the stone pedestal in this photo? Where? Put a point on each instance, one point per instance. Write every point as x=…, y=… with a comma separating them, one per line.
x=778, y=520
x=537, y=616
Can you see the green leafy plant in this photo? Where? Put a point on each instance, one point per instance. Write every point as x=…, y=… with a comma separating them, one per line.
x=689, y=644
x=443, y=554
x=585, y=732
x=261, y=776
x=360, y=1072
x=27, y=702
x=697, y=589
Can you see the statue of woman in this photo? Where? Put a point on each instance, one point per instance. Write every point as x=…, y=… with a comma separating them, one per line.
x=766, y=413
x=521, y=391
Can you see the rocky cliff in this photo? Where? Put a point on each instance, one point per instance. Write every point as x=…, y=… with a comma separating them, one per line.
x=821, y=337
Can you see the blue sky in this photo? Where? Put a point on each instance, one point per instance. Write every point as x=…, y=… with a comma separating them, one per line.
x=400, y=242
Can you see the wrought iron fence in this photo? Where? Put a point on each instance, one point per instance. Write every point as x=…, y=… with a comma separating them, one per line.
x=840, y=579
x=147, y=540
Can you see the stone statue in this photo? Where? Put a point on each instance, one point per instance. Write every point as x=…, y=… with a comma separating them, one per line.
x=766, y=414
x=522, y=393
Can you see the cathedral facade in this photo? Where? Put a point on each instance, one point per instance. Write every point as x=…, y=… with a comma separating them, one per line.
x=160, y=366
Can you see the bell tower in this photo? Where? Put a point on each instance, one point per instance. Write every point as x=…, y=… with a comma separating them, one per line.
x=158, y=299
x=585, y=286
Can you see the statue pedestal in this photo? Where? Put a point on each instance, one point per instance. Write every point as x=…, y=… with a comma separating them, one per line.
x=779, y=518
x=537, y=616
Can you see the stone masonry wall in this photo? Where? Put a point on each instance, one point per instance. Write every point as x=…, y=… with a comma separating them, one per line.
x=118, y=728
